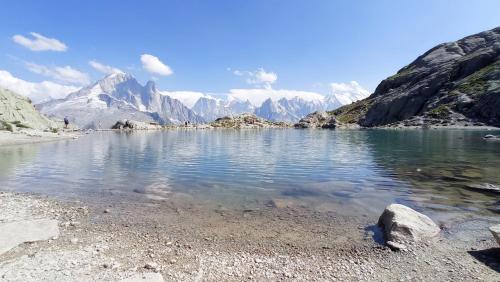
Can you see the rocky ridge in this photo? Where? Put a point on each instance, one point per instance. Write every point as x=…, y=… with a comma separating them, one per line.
x=455, y=83
x=17, y=112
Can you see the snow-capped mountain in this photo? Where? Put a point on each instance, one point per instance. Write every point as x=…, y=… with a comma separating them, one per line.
x=211, y=108
x=119, y=96
x=278, y=106
x=273, y=110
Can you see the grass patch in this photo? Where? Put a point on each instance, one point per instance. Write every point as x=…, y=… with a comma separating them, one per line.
x=441, y=112
x=477, y=83
x=351, y=113
x=402, y=72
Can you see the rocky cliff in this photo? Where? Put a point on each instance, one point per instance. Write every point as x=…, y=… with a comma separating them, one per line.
x=456, y=83
x=17, y=112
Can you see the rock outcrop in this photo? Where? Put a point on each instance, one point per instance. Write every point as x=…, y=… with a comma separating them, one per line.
x=246, y=121
x=17, y=112
x=456, y=83
x=317, y=120
x=403, y=225
x=135, y=125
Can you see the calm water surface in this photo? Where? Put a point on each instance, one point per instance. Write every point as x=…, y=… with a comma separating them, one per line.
x=351, y=172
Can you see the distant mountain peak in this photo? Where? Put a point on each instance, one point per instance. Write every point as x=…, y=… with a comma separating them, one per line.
x=119, y=96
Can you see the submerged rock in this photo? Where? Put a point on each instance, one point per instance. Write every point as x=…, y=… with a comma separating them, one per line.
x=485, y=187
x=491, y=137
x=495, y=230
x=18, y=232
x=402, y=224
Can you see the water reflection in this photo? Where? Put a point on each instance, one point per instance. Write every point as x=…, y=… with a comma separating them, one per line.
x=352, y=172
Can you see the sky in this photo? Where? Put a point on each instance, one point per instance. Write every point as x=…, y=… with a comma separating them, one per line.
x=53, y=47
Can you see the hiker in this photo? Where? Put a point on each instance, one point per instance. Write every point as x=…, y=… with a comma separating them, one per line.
x=66, y=122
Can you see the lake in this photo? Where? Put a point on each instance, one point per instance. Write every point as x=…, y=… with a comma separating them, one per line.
x=352, y=172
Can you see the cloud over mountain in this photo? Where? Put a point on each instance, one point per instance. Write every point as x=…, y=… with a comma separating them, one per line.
x=104, y=68
x=40, y=43
x=260, y=77
x=64, y=74
x=153, y=65
x=36, y=91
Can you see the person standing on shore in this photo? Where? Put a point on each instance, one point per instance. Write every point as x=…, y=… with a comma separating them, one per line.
x=66, y=122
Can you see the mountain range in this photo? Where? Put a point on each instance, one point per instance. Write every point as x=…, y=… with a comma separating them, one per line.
x=120, y=96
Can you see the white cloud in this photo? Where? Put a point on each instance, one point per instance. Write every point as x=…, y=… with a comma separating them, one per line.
x=238, y=73
x=259, y=77
x=104, y=68
x=153, y=65
x=40, y=43
x=188, y=98
x=64, y=74
x=37, y=92
x=349, y=92
x=258, y=95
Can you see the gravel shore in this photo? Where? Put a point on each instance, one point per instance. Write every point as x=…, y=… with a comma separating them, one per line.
x=34, y=136
x=185, y=241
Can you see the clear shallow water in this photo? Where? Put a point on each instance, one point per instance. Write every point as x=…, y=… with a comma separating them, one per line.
x=349, y=172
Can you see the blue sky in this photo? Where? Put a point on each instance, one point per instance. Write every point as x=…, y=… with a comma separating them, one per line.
x=306, y=44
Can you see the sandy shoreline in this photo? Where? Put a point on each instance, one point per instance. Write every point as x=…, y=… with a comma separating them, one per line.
x=31, y=137
x=182, y=240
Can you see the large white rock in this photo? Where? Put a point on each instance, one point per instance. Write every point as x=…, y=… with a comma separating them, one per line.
x=402, y=224
x=18, y=232
x=144, y=277
x=495, y=230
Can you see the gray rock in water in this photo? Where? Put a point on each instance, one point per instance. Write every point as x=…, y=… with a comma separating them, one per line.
x=18, y=232
x=402, y=224
x=495, y=230
x=490, y=137
x=485, y=187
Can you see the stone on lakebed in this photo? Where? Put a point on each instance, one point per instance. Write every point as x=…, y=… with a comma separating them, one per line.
x=402, y=224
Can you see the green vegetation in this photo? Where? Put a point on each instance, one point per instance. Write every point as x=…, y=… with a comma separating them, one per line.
x=6, y=126
x=20, y=125
x=351, y=113
x=441, y=112
x=402, y=72
x=54, y=130
x=477, y=83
